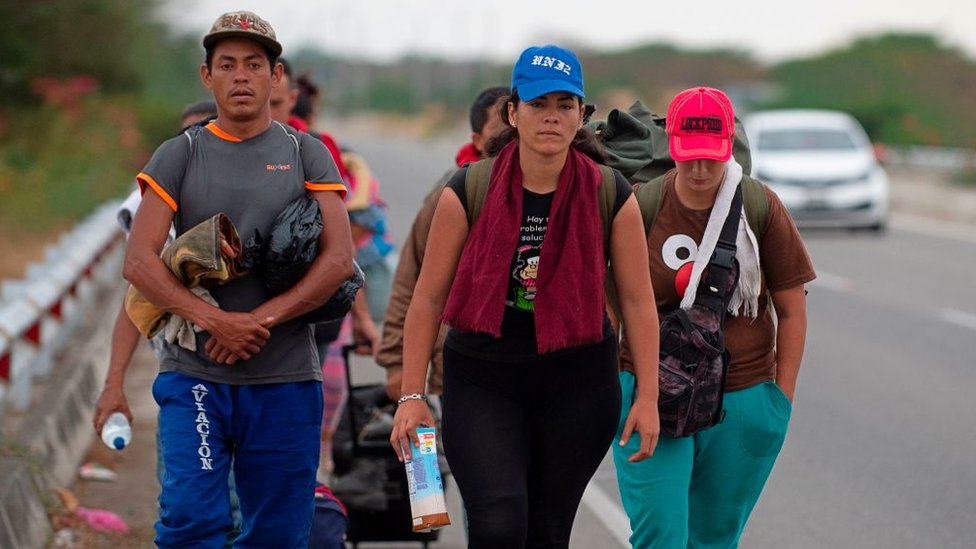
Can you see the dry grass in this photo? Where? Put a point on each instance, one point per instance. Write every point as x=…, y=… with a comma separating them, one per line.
x=19, y=248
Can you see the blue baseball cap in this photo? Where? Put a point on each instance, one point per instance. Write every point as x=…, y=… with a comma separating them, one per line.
x=546, y=69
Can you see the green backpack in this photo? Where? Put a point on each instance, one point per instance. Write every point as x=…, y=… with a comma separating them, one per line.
x=637, y=143
x=476, y=189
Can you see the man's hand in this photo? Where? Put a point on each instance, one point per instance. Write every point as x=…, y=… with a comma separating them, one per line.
x=110, y=401
x=394, y=376
x=237, y=336
x=365, y=335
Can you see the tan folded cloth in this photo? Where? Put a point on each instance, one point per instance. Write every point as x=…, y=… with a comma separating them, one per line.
x=206, y=255
x=180, y=330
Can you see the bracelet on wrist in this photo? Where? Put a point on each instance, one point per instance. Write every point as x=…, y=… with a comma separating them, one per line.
x=412, y=396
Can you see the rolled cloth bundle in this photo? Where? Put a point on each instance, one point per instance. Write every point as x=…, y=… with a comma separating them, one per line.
x=207, y=255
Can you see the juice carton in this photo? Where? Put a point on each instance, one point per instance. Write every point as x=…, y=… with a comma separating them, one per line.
x=425, y=484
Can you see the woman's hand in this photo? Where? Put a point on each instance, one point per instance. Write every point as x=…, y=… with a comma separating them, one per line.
x=409, y=415
x=643, y=418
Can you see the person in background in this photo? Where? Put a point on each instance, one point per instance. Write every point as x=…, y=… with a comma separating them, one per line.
x=360, y=326
x=367, y=209
x=250, y=395
x=197, y=113
x=486, y=123
x=698, y=491
x=283, y=101
x=531, y=396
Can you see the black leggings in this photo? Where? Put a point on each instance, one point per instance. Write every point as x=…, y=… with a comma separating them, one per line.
x=523, y=440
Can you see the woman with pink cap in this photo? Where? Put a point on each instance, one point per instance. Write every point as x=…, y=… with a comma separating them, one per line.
x=531, y=396
x=698, y=490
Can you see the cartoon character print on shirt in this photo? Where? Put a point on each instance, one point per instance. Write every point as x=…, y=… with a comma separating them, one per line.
x=526, y=272
x=679, y=252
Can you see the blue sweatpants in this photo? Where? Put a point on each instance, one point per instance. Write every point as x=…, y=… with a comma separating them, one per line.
x=271, y=434
x=698, y=491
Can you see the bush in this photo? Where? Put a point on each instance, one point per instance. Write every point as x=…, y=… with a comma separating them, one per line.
x=964, y=178
x=57, y=165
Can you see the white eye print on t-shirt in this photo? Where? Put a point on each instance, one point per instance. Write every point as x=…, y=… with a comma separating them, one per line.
x=677, y=250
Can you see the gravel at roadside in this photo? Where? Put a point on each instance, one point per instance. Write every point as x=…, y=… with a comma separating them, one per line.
x=931, y=195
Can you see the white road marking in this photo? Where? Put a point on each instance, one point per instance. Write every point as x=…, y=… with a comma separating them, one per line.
x=960, y=318
x=608, y=512
x=833, y=282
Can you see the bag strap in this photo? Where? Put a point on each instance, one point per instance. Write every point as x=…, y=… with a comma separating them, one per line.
x=476, y=181
x=756, y=203
x=711, y=292
x=608, y=198
x=649, y=200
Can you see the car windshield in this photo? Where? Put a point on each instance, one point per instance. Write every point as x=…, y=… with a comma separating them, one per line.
x=805, y=140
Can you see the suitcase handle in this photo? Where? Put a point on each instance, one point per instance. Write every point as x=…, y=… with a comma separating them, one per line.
x=354, y=429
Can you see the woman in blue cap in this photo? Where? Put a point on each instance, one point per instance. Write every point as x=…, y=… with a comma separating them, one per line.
x=531, y=398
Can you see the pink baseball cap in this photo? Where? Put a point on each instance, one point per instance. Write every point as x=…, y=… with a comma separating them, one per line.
x=700, y=124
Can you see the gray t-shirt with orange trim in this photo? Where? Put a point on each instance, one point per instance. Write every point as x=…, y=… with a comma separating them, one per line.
x=206, y=171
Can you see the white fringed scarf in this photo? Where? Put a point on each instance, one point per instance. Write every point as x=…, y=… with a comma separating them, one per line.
x=746, y=294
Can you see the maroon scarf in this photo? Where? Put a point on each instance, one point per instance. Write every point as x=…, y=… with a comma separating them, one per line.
x=569, y=305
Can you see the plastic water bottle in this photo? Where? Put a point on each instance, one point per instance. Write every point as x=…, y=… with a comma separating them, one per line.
x=116, y=432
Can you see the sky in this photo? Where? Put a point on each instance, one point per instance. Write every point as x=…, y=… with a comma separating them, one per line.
x=770, y=30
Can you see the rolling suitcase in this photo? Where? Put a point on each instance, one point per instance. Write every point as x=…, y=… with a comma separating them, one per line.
x=370, y=481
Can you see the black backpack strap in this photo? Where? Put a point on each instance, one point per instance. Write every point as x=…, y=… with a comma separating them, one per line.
x=712, y=292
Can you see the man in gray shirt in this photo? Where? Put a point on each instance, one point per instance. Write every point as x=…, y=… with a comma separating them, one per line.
x=250, y=395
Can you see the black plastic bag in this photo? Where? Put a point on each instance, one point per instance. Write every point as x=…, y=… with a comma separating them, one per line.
x=284, y=256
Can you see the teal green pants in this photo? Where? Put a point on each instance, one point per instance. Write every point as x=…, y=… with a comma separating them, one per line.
x=698, y=491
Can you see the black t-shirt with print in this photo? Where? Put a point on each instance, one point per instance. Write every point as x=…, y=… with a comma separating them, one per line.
x=518, y=323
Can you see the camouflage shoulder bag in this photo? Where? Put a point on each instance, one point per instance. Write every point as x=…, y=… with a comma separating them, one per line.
x=693, y=360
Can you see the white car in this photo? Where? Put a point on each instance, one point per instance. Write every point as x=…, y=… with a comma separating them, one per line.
x=822, y=166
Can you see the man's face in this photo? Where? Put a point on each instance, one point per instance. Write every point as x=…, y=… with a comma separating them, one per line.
x=241, y=79
x=283, y=98
x=493, y=126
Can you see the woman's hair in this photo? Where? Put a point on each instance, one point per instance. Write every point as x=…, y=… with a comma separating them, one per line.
x=308, y=96
x=482, y=106
x=585, y=141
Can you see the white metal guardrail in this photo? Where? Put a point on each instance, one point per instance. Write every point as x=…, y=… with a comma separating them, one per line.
x=39, y=313
x=943, y=159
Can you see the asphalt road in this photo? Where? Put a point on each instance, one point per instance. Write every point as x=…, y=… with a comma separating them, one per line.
x=881, y=451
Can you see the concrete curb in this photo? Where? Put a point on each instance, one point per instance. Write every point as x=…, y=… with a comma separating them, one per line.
x=53, y=436
x=23, y=517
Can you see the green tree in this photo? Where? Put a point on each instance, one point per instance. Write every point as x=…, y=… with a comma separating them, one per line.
x=47, y=38
x=904, y=88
